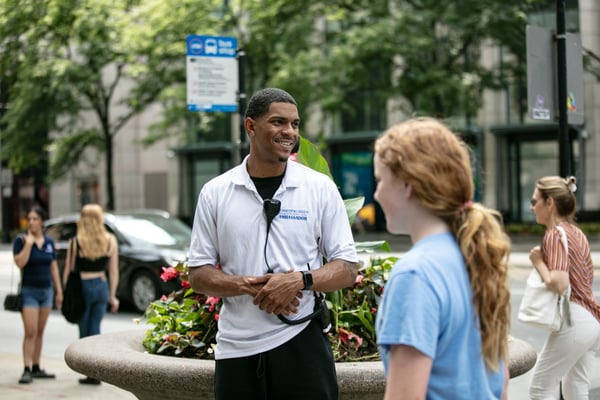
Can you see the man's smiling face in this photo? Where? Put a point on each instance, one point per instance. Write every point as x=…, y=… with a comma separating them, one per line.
x=274, y=134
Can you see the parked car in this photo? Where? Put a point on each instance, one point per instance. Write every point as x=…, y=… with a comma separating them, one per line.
x=148, y=240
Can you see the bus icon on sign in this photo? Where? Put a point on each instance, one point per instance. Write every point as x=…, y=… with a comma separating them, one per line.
x=210, y=46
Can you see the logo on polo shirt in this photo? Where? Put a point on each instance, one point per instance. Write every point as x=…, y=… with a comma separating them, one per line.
x=298, y=215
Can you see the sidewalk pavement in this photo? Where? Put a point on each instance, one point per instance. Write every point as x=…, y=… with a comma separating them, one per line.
x=66, y=385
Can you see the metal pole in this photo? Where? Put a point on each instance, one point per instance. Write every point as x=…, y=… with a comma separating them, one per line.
x=4, y=230
x=242, y=101
x=564, y=147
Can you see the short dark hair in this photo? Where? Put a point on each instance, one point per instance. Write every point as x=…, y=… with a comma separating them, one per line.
x=261, y=101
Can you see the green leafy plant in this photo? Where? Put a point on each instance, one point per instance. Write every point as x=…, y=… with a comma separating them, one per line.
x=185, y=323
x=353, y=312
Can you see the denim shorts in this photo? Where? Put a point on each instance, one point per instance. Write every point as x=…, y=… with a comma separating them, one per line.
x=37, y=297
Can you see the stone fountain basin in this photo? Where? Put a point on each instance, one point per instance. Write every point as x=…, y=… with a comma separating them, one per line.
x=120, y=359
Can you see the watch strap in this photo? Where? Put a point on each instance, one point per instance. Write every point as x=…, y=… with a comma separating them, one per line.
x=307, y=280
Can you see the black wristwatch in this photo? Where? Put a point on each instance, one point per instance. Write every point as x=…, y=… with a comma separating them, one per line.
x=307, y=279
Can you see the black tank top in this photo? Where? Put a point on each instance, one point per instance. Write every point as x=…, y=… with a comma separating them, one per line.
x=84, y=264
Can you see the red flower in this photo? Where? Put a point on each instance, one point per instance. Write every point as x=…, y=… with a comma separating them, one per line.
x=185, y=284
x=168, y=274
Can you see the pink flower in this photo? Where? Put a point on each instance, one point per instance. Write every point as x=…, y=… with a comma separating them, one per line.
x=293, y=157
x=349, y=338
x=216, y=317
x=168, y=274
x=212, y=301
x=163, y=298
x=359, y=279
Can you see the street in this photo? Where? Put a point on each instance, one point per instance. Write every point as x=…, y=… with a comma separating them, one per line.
x=59, y=334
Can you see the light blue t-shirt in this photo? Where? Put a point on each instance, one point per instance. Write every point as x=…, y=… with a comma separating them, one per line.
x=427, y=304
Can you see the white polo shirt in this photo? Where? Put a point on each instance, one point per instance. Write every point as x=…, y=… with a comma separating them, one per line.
x=230, y=228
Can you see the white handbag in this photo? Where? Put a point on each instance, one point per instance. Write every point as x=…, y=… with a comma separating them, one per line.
x=541, y=307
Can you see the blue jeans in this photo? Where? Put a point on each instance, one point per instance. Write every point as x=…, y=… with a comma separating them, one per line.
x=37, y=297
x=95, y=292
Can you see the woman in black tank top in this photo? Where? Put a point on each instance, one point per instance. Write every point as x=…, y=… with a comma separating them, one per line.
x=94, y=253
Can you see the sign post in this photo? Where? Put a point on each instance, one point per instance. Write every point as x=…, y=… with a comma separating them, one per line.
x=212, y=73
x=555, y=83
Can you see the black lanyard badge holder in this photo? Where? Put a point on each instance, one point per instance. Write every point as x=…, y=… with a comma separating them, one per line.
x=271, y=208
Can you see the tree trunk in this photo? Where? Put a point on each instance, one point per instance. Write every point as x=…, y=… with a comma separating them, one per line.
x=110, y=193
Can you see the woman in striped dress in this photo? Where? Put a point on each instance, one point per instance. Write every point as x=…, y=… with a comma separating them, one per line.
x=567, y=354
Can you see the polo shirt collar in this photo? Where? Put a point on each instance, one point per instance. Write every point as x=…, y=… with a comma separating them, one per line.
x=292, y=177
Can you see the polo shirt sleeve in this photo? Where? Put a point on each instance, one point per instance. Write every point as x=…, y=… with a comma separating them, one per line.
x=410, y=314
x=203, y=244
x=337, y=241
x=18, y=245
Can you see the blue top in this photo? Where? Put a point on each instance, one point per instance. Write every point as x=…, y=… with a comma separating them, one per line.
x=427, y=304
x=37, y=271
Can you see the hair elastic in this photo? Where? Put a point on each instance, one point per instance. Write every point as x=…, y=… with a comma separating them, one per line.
x=466, y=205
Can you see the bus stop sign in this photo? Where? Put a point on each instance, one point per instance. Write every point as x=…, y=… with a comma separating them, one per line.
x=212, y=73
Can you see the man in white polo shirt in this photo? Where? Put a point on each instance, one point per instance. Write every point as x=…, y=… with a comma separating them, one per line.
x=261, y=232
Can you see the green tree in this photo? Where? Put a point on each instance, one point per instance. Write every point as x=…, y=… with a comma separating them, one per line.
x=340, y=54
x=65, y=59
x=426, y=52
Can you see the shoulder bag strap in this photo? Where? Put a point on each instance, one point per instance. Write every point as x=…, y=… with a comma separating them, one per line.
x=21, y=270
x=563, y=239
x=567, y=294
x=73, y=246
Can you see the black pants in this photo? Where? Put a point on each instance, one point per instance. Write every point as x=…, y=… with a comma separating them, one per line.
x=300, y=369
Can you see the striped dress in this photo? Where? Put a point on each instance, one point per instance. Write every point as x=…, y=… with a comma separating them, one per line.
x=579, y=264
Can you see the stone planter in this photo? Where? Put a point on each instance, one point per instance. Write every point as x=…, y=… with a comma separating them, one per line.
x=120, y=359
